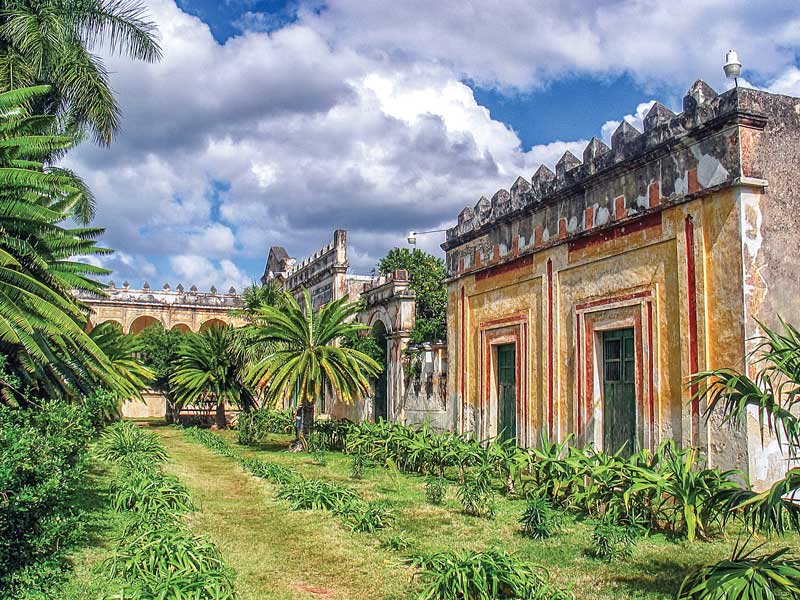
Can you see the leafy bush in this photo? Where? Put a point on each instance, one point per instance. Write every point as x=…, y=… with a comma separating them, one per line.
x=435, y=489
x=161, y=558
x=490, y=575
x=151, y=493
x=357, y=465
x=476, y=495
x=269, y=471
x=125, y=440
x=315, y=494
x=211, y=440
x=540, y=520
x=613, y=541
x=366, y=516
x=41, y=463
x=254, y=426
x=745, y=576
x=399, y=542
x=320, y=457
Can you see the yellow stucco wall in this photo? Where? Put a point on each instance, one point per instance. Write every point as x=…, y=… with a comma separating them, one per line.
x=639, y=276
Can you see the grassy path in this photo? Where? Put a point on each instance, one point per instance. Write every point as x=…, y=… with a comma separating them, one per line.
x=278, y=553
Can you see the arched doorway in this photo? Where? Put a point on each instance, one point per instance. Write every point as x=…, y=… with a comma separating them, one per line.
x=182, y=327
x=212, y=323
x=141, y=323
x=380, y=397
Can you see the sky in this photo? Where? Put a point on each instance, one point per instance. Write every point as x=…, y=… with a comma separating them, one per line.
x=274, y=123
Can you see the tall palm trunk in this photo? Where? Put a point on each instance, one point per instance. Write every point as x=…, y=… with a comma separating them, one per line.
x=307, y=420
x=220, y=416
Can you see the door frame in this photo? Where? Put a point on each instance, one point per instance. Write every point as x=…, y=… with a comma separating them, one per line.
x=505, y=330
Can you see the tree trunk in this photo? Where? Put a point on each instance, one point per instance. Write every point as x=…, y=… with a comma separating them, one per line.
x=307, y=422
x=220, y=416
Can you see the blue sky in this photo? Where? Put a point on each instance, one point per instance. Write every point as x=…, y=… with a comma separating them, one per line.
x=274, y=123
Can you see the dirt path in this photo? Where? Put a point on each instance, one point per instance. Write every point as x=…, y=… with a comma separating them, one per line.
x=278, y=553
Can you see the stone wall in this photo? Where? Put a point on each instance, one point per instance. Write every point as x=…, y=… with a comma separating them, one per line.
x=684, y=233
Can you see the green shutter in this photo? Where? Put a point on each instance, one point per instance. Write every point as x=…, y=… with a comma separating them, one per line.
x=619, y=391
x=507, y=391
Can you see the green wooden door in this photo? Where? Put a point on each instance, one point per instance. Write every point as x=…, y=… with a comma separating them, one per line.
x=619, y=391
x=507, y=391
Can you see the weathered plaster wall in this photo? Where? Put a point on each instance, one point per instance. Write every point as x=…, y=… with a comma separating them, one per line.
x=669, y=232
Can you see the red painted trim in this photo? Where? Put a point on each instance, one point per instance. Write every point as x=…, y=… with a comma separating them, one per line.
x=513, y=265
x=651, y=371
x=579, y=369
x=463, y=360
x=550, y=347
x=651, y=221
x=518, y=318
x=691, y=292
x=522, y=436
x=614, y=299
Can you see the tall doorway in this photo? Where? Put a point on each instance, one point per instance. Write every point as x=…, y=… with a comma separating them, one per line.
x=619, y=391
x=379, y=399
x=507, y=391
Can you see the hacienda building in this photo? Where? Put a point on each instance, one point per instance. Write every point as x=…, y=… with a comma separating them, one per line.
x=581, y=301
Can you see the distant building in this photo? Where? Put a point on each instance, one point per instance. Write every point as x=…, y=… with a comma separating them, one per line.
x=412, y=387
x=581, y=301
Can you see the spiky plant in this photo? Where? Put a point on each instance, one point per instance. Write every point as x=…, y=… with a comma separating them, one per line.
x=210, y=368
x=306, y=359
x=41, y=323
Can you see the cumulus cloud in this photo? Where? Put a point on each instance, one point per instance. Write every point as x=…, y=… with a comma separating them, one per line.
x=357, y=115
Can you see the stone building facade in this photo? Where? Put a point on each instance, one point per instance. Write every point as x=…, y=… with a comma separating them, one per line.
x=411, y=388
x=184, y=310
x=187, y=310
x=581, y=301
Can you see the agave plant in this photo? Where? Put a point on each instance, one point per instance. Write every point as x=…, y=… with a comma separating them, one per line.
x=745, y=576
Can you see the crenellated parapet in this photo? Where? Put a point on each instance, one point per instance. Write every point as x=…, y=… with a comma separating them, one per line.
x=165, y=296
x=675, y=158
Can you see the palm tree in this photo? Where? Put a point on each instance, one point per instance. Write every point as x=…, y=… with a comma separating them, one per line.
x=306, y=359
x=774, y=393
x=256, y=296
x=41, y=324
x=122, y=351
x=209, y=367
x=51, y=42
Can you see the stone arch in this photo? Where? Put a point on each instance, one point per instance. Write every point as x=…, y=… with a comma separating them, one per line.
x=114, y=321
x=142, y=322
x=380, y=400
x=89, y=326
x=381, y=315
x=182, y=327
x=214, y=322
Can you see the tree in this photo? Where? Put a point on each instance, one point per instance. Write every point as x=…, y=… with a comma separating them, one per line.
x=41, y=323
x=159, y=351
x=122, y=351
x=209, y=367
x=427, y=275
x=306, y=360
x=255, y=296
x=51, y=42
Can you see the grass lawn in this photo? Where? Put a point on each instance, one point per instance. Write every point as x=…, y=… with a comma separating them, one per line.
x=282, y=554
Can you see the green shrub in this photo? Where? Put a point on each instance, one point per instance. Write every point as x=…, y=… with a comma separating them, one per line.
x=745, y=576
x=213, y=441
x=366, y=516
x=125, y=440
x=435, y=489
x=269, y=471
x=254, y=426
x=320, y=457
x=490, y=575
x=399, y=542
x=357, y=465
x=41, y=463
x=540, y=520
x=475, y=494
x=613, y=541
x=151, y=493
x=316, y=494
x=161, y=558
